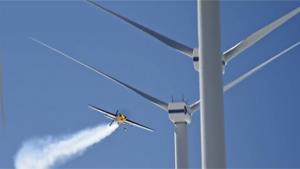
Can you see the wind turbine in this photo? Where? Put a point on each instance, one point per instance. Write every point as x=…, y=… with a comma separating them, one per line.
x=210, y=80
x=179, y=112
x=193, y=53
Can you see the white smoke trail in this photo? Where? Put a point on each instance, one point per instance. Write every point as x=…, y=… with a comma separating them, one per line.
x=44, y=153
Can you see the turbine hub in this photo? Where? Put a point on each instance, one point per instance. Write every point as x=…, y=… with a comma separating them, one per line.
x=223, y=66
x=196, y=59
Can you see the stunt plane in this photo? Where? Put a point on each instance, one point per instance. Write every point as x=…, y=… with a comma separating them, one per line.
x=119, y=118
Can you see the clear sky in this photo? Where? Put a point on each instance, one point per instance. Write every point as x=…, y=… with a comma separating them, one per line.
x=46, y=94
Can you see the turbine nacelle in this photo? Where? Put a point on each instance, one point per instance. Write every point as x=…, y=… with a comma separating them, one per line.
x=196, y=61
x=179, y=112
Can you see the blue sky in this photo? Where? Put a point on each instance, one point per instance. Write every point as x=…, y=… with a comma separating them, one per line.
x=46, y=94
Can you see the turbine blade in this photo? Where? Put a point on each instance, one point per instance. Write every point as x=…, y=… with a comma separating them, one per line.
x=164, y=39
x=256, y=36
x=196, y=105
x=152, y=99
x=255, y=69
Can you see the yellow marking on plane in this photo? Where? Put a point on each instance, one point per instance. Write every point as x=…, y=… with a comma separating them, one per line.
x=121, y=118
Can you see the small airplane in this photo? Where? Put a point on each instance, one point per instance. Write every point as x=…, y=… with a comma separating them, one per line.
x=119, y=118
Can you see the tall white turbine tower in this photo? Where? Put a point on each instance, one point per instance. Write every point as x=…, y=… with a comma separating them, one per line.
x=211, y=80
x=211, y=84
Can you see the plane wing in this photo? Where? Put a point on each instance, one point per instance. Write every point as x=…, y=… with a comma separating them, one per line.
x=138, y=125
x=104, y=112
x=162, y=38
x=196, y=105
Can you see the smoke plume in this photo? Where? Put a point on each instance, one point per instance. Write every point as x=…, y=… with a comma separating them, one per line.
x=44, y=153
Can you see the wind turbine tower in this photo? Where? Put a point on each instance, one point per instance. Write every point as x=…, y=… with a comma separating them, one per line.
x=211, y=86
x=180, y=115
